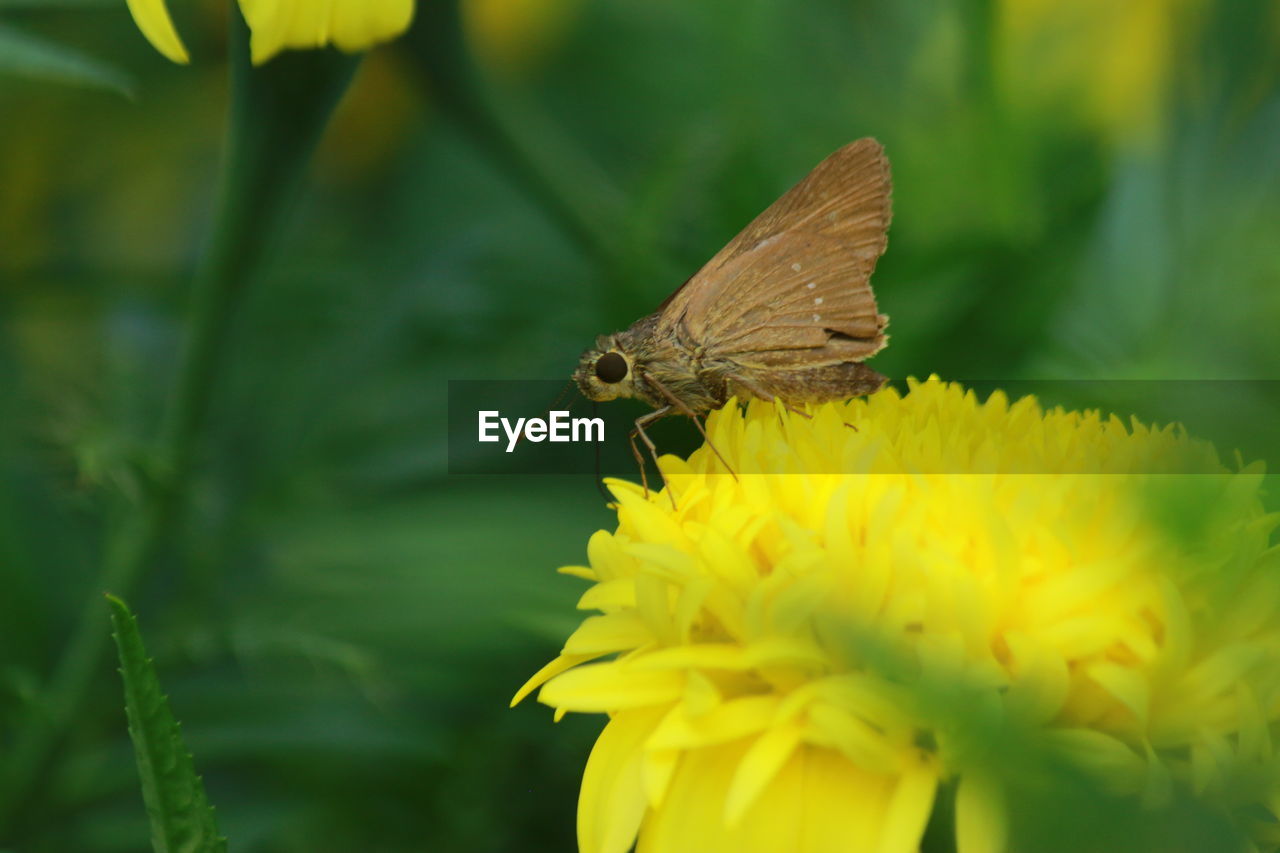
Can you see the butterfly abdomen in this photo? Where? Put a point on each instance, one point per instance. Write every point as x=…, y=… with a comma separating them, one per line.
x=812, y=385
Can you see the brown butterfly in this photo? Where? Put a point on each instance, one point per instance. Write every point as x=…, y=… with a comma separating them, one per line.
x=784, y=311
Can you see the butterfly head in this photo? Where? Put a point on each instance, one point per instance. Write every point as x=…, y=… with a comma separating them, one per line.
x=605, y=372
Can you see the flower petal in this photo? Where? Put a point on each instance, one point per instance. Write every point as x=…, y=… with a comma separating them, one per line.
x=818, y=802
x=732, y=720
x=758, y=768
x=607, y=687
x=909, y=809
x=599, y=635
x=152, y=18
x=981, y=823
x=612, y=800
x=350, y=25
x=557, y=666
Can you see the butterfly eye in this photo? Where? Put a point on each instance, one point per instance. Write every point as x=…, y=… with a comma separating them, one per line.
x=611, y=368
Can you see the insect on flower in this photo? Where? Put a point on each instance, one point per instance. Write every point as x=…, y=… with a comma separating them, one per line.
x=784, y=311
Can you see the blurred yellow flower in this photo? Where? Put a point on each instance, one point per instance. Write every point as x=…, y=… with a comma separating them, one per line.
x=1108, y=63
x=1019, y=553
x=510, y=34
x=276, y=25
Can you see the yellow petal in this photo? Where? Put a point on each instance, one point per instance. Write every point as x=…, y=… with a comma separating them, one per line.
x=843, y=802
x=734, y=719
x=647, y=521
x=1255, y=733
x=859, y=741
x=1100, y=755
x=659, y=767
x=608, y=558
x=684, y=823
x=584, y=572
x=771, y=651
x=611, y=687
x=698, y=656
x=1041, y=679
x=557, y=666
x=758, y=768
x=981, y=823
x=1157, y=787
x=1126, y=685
x=152, y=17
x=909, y=809
x=818, y=802
x=608, y=596
x=612, y=800
x=350, y=25
x=599, y=635
x=701, y=696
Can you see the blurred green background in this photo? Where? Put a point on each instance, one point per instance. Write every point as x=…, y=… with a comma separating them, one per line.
x=1083, y=190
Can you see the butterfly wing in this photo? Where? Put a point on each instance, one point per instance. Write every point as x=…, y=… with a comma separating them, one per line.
x=794, y=286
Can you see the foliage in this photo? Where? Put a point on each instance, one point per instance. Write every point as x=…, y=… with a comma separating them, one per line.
x=180, y=814
x=25, y=55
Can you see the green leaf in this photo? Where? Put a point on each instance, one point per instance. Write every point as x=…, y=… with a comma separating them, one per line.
x=56, y=4
x=25, y=55
x=180, y=814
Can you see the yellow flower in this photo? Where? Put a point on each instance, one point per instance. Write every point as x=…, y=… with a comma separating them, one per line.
x=1107, y=63
x=510, y=34
x=276, y=25
x=786, y=657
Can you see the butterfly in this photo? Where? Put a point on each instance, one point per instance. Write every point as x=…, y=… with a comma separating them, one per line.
x=785, y=311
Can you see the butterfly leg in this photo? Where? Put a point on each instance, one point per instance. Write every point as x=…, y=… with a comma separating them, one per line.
x=641, y=421
x=679, y=404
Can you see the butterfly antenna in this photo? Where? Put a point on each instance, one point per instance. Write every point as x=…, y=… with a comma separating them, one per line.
x=568, y=386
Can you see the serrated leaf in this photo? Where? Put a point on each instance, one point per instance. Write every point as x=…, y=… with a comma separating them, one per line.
x=26, y=55
x=182, y=820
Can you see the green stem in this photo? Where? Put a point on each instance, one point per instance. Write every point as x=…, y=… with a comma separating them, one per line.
x=576, y=196
x=277, y=114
